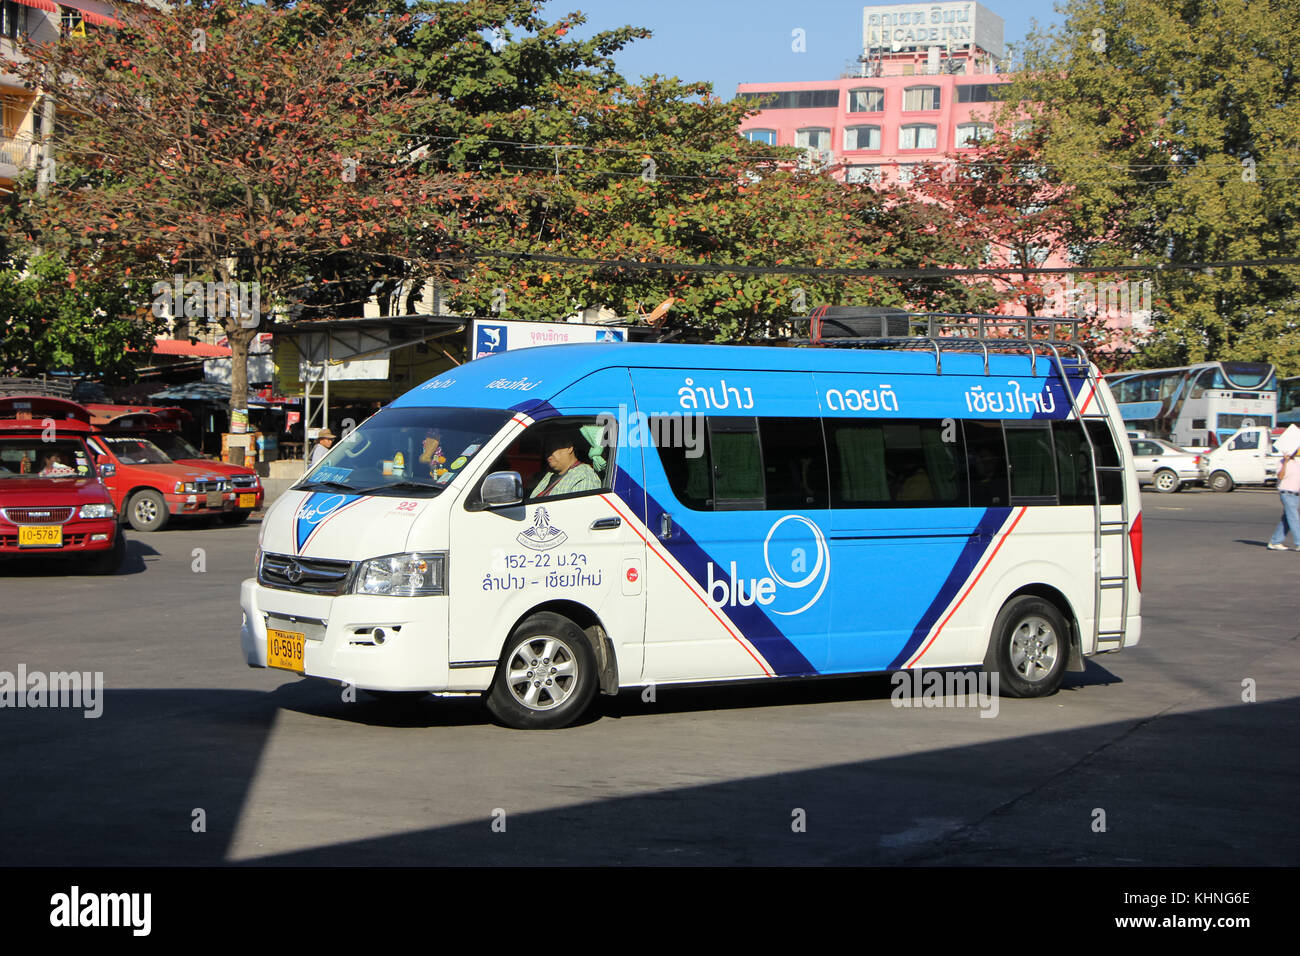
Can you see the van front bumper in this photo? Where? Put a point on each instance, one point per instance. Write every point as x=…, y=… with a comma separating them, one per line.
x=340, y=640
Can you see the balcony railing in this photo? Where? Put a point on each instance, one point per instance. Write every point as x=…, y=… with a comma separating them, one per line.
x=18, y=150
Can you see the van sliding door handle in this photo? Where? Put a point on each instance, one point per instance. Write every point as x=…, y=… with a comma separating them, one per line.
x=604, y=524
x=665, y=526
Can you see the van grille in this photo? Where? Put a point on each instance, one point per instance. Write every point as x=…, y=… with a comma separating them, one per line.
x=314, y=575
x=245, y=481
x=37, y=515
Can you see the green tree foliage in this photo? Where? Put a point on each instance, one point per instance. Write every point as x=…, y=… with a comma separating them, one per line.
x=232, y=142
x=50, y=322
x=582, y=164
x=1178, y=125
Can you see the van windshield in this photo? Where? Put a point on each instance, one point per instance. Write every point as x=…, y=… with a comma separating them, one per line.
x=407, y=451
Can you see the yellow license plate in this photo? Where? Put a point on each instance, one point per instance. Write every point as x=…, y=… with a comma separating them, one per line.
x=40, y=536
x=284, y=649
x=248, y=501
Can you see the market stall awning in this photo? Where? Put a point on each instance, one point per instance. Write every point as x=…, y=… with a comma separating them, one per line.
x=205, y=392
x=45, y=5
x=184, y=348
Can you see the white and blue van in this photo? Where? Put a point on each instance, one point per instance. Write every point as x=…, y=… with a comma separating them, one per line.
x=541, y=525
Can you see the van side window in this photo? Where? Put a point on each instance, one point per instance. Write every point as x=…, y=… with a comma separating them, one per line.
x=986, y=458
x=1073, y=467
x=683, y=446
x=1033, y=464
x=528, y=454
x=909, y=463
x=1103, y=444
x=1247, y=441
x=737, y=461
x=794, y=463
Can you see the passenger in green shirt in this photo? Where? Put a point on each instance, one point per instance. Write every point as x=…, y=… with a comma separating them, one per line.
x=571, y=470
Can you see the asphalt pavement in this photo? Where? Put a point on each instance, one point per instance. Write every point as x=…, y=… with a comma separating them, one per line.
x=1181, y=751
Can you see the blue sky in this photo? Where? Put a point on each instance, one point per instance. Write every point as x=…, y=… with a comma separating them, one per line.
x=728, y=41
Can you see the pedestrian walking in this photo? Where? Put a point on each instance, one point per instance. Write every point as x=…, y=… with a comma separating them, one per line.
x=1288, y=486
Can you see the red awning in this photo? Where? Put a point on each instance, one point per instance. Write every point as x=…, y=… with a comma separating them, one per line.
x=188, y=349
x=45, y=5
x=90, y=12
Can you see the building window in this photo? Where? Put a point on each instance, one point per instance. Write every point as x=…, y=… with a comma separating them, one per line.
x=765, y=136
x=979, y=92
x=862, y=137
x=1021, y=129
x=867, y=101
x=973, y=134
x=918, y=137
x=906, y=171
x=921, y=98
x=13, y=20
x=862, y=174
x=794, y=99
x=815, y=137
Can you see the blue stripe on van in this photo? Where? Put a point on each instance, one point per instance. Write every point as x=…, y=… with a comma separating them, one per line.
x=775, y=648
x=962, y=571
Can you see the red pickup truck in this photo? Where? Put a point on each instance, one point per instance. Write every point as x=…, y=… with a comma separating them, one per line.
x=52, y=499
x=161, y=426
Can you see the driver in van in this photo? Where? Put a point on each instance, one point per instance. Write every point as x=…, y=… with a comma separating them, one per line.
x=570, y=465
x=54, y=464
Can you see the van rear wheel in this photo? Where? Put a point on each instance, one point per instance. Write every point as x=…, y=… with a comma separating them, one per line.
x=547, y=675
x=1029, y=648
x=1222, y=481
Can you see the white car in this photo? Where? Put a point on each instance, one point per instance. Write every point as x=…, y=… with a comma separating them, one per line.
x=1165, y=466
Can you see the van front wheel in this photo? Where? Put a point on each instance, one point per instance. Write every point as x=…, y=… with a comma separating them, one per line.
x=1222, y=481
x=547, y=675
x=1029, y=649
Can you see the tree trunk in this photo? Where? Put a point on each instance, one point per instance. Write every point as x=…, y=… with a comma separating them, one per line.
x=239, y=339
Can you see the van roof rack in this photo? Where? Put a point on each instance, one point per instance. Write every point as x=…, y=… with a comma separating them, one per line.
x=941, y=332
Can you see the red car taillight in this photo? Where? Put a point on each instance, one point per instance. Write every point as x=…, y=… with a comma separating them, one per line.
x=1135, y=540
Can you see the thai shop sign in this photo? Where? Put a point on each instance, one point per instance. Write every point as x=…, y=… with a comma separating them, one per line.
x=490, y=336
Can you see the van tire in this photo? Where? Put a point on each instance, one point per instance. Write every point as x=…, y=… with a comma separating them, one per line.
x=1166, y=481
x=1029, y=629
x=147, y=511
x=1222, y=481
x=545, y=647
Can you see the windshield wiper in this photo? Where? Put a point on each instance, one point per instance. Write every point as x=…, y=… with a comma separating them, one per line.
x=335, y=485
x=396, y=485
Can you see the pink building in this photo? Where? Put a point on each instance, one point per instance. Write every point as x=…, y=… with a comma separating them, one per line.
x=926, y=88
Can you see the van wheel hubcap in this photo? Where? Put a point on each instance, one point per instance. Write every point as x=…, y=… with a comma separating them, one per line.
x=146, y=510
x=1034, y=649
x=542, y=672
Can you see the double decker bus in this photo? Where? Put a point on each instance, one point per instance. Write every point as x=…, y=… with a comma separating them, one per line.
x=1288, y=401
x=1197, y=405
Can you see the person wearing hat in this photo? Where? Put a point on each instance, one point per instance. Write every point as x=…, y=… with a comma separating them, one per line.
x=569, y=458
x=324, y=442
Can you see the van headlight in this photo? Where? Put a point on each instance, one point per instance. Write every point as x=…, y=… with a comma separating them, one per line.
x=415, y=574
x=96, y=511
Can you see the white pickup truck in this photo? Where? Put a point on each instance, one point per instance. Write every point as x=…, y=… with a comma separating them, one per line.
x=1247, y=458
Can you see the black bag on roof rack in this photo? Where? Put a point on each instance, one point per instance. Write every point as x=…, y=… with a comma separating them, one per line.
x=857, y=322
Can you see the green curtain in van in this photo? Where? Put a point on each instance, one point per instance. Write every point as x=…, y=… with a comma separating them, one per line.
x=862, y=464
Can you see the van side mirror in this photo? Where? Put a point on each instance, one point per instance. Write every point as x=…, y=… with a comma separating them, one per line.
x=502, y=488
x=105, y=469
